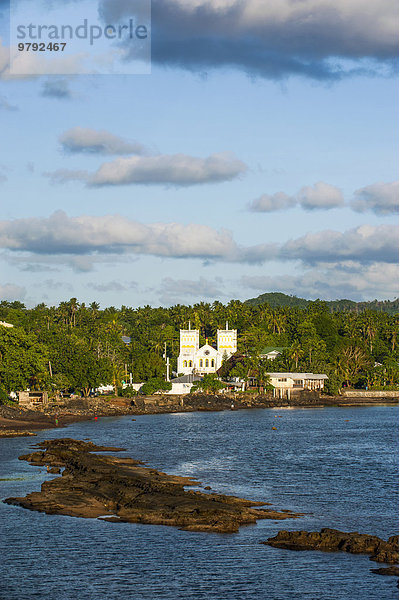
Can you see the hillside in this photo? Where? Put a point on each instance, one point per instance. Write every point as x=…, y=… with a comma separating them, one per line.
x=278, y=300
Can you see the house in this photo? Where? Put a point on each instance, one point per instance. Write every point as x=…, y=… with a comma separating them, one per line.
x=126, y=339
x=183, y=384
x=284, y=383
x=271, y=352
x=4, y=324
x=207, y=359
x=33, y=399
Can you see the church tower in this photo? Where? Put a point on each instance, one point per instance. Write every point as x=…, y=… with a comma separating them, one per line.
x=189, y=346
x=227, y=341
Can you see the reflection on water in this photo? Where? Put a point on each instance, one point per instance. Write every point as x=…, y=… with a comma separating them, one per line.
x=339, y=466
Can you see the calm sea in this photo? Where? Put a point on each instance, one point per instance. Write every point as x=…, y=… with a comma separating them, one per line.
x=337, y=465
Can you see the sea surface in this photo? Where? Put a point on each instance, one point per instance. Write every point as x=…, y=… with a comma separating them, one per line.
x=337, y=465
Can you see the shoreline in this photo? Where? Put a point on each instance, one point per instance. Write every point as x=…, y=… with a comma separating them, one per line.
x=17, y=422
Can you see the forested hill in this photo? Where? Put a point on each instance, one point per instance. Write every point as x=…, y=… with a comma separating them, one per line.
x=279, y=300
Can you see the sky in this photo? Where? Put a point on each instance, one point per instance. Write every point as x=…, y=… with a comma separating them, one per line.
x=254, y=150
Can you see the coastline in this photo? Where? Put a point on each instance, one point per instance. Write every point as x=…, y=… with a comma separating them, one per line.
x=17, y=422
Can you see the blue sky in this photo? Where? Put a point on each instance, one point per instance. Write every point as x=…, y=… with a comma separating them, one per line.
x=259, y=155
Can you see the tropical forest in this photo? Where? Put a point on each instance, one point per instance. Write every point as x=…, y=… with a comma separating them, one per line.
x=74, y=347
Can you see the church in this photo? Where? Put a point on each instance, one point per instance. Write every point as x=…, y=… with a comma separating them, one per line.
x=207, y=359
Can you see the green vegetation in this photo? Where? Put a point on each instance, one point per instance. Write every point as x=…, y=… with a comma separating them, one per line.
x=74, y=347
x=279, y=300
x=210, y=384
x=155, y=384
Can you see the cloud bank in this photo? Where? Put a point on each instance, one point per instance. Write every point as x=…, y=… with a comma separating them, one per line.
x=365, y=244
x=178, y=170
x=321, y=39
x=83, y=236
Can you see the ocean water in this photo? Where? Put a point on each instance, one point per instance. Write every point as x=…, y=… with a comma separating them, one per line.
x=339, y=466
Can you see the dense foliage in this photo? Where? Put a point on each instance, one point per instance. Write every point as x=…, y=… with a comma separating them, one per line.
x=77, y=347
x=277, y=299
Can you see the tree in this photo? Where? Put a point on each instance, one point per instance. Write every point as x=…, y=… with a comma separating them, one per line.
x=295, y=352
x=209, y=384
x=350, y=362
x=22, y=359
x=155, y=384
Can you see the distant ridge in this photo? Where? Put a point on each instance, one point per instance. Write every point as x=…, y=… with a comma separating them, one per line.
x=278, y=300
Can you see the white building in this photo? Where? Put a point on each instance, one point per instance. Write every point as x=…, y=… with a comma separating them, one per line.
x=271, y=352
x=283, y=383
x=204, y=360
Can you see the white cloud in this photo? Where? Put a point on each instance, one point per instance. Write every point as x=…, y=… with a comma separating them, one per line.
x=92, y=141
x=320, y=196
x=380, y=198
x=272, y=202
x=366, y=244
x=85, y=235
x=178, y=169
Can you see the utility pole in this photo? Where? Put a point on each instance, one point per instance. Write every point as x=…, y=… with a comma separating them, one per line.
x=167, y=364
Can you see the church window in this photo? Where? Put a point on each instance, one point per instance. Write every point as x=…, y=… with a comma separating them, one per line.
x=201, y=363
x=190, y=364
x=207, y=363
x=184, y=363
x=212, y=362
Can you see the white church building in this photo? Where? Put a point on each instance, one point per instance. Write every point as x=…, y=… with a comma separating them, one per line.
x=204, y=360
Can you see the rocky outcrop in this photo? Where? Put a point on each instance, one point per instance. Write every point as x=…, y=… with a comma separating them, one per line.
x=391, y=571
x=332, y=540
x=123, y=490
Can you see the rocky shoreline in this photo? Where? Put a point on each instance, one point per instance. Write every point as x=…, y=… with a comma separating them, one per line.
x=19, y=422
x=123, y=490
x=333, y=540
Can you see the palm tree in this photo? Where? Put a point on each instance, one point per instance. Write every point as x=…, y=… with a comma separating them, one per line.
x=295, y=352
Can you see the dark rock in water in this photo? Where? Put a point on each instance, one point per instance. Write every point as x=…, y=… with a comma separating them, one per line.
x=123, y=490
x=392, y=571
x=332, y=540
